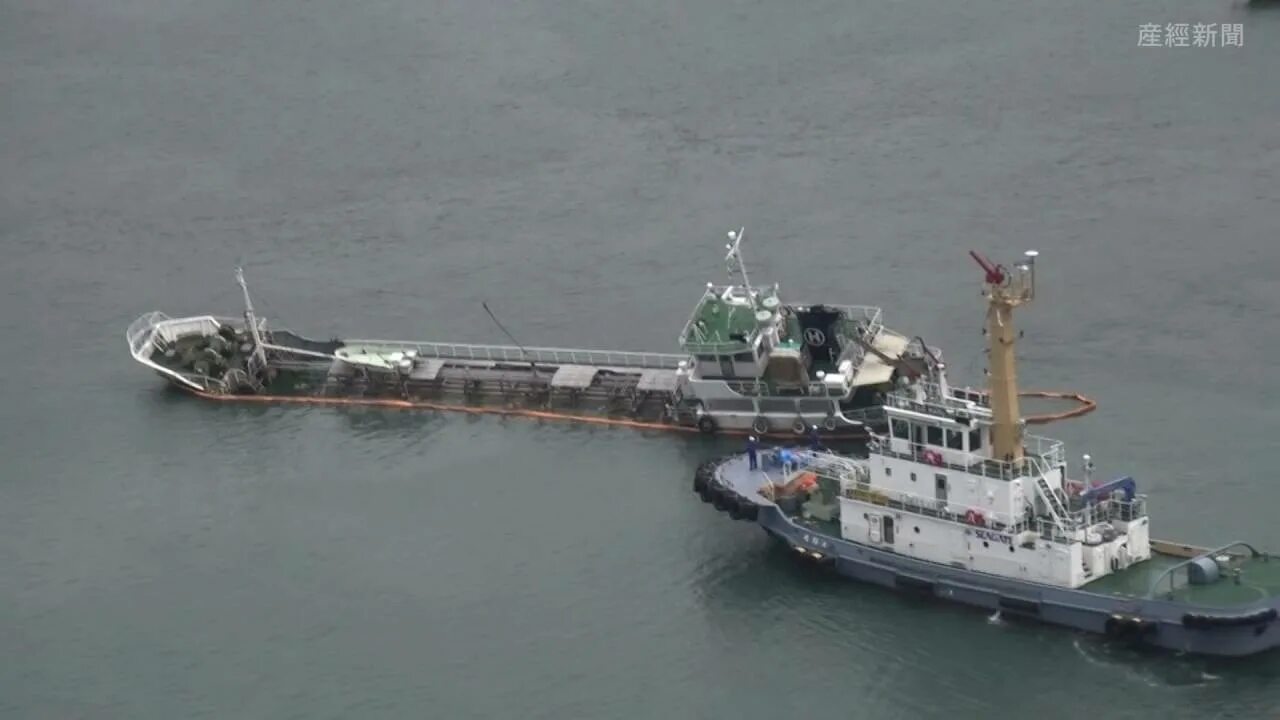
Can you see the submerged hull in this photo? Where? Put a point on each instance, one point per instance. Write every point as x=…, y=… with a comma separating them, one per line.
x=603, y=387
x=1148, y=621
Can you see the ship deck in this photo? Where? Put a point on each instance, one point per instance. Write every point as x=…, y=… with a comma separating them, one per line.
x=1259, y=579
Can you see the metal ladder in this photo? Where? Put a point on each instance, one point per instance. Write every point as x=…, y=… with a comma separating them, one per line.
x=1056, y=508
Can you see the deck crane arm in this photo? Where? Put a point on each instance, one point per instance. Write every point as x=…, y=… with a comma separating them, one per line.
x=995, y=273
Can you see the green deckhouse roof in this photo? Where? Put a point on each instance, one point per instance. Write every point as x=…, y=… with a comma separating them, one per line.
x=722, y=326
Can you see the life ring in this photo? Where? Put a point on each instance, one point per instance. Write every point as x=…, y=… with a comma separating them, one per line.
x=798, y=426
x=830, y=422
x=760, y=425
x=971, y=517
x=933, y=457
x=706, y=425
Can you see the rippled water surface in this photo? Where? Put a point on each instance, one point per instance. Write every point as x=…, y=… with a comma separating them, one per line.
x=382, y=168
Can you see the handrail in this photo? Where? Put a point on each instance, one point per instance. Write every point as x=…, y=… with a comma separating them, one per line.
x=1151, y=591
x=141, y=334
x=693, y=341
x=936, y=402
x=754, y=388
x=844, y=469
x=1051, y=501
x=510, y=353
x=1044, y=449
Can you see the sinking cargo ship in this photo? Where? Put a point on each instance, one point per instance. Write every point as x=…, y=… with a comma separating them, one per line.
x=955, y=501
x=749, y=364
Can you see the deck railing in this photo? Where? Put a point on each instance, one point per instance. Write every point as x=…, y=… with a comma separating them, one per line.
x=1037, y=448
x=937, y=402
x=142, y=333
x=507, y=353
x=752, y=388
x=138, y=334
x=1178, y=576
x=856, y=484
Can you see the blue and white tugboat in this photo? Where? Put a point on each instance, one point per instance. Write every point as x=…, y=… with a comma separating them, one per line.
x=956, y=500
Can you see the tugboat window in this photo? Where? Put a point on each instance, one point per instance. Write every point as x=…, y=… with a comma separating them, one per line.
x=975, y=440
x=955, y=439
x=900, y=429
x=744, y=357
x=935, y=436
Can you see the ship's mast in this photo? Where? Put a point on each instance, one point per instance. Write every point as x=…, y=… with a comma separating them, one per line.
x=252, y=321
x=735, y=258
x=1004, y=293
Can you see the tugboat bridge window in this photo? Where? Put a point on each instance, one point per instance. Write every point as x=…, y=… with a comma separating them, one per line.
x=955, y=439
x=975, y=440
x=935, y=436
x=901, y=429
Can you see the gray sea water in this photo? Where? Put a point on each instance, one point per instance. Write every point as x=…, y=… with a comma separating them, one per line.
x=381, y=168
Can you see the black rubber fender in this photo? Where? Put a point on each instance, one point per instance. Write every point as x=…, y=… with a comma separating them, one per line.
x=718, y=499
x=1209, y=621
x=707, y=425
x=1133, y=629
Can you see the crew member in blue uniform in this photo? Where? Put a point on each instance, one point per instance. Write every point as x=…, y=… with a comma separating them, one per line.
x=815, y=440
x=752, y=446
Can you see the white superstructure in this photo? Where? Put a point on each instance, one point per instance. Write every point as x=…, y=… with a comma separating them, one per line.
x=956, y=480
